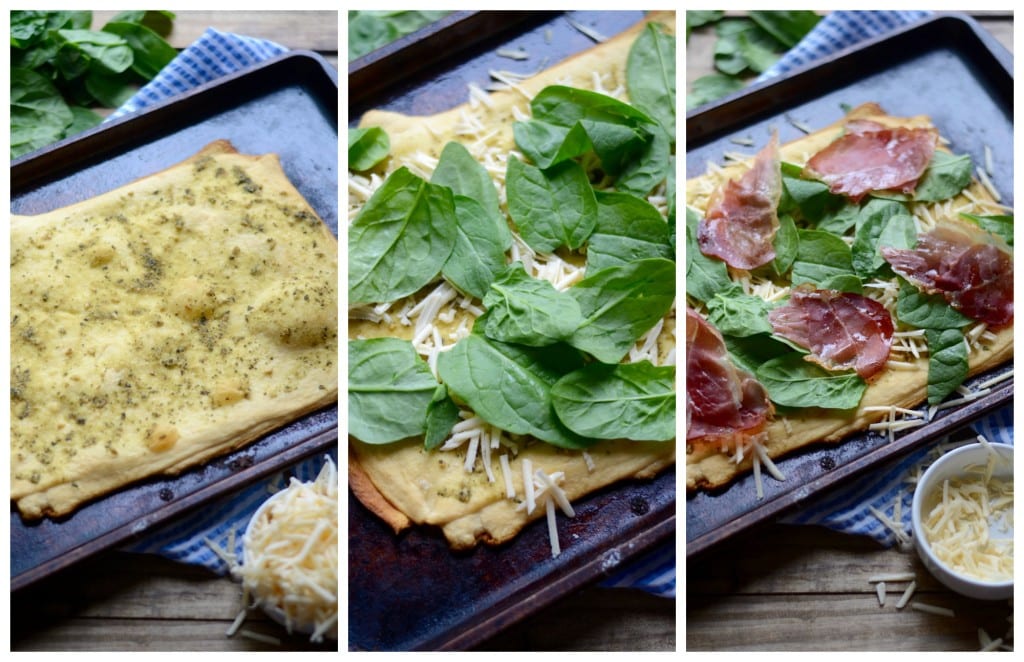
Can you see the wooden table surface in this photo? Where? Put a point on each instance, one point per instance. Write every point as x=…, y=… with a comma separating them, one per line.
x=783, y=587
x=121, y=601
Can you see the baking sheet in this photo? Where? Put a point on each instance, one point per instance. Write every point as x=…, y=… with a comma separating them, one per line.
x=946, y=67
x=410, y=592
x=288, y=106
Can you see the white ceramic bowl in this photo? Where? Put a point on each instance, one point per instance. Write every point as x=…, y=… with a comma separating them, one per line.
x=953, y=465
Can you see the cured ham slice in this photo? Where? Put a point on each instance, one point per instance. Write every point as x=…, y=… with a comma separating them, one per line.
x=964, y=264
x=872, y=157
x=724, y=404
x=842, y=330
x=742, y=215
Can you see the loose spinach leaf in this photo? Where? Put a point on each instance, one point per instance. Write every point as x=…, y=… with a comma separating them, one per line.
x=999, y=225
x=110, y=90
x=843, y=283
x=39, y=115
x=400, y=239
x=751, y=352
x=840, y=220
x=804, y=198
x=368, y=30
x=553, y=207
x=651, y=75
x=947, y=362
x=821, y=256
x=389, y=390
x=794, y=382
x=459, y=171
x=620, y=304
x=705, y=276
x=442, y=415
x=109, y=51
x=527, y=310
x=150, y=53
x=946, y=176
x=367, y=147
x=927, y=311
x=623, y=401
x=788, y=27
x=737, y=314
x=509, y=386
x=479, y=251
x=699, y=18
x=650, y=167
x=627, y=229
x=711, y=87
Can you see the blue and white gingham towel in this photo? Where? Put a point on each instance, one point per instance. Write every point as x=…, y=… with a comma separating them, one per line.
x=850, y=511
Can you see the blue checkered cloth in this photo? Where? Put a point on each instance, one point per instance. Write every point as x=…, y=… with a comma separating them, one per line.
x=850, y=510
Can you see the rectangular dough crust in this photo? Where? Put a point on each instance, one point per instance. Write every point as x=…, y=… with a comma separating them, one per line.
x=164, y=323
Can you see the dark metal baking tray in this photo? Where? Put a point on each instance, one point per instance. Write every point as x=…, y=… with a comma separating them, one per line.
x=410, y=592
x=288, y=106
x=946, y=67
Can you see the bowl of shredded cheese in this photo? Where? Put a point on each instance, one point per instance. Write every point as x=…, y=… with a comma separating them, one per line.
x=290, y=556
x=963, y=520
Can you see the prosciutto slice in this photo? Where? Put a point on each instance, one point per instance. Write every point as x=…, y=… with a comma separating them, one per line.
x=872, y=157
x=966, y=265
x=842, y=330
x=724, y=404
x=742, y=215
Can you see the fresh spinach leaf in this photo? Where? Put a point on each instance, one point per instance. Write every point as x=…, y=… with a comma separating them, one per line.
x=367, y=147
x=442, y=415
x=804, y=198
x=786, y=244
x=109, y=51
x=150, y=53
x=389, y=390
x=711, y=87
x=843, y=283
x=368, y=30
x=478, y=254
x=705, y=276
x=553, y=207
x=650, y=168
x=840, y=220
x=947, y=362
x=620, y=304
x=821, y=256
x=39, y=115
x=527, y=310
x=459, y=171
x=878, y=217
x=548, y=144
x=400, y=239
x=651, y=75
x=927, y=311
x=509, y=386
x=946, y=176
x=627, y=229
x=751, y=352
x=787, y=27
x=738, y=314
x=794, y=382
x=1000, y=225
x=622, y=401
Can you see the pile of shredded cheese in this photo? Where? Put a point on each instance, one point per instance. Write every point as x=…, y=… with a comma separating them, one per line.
x=290, y=556
x=970, y=526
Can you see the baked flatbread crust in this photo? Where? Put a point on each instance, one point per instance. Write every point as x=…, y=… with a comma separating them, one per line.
x=709, y=468
x=164, y=323
x=404, y=484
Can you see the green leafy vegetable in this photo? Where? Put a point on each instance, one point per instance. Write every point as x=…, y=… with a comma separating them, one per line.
x=794, y=382
x=459, y=171
x=61, y=69
x=551, y=208
x=442, y=415
x=786, y=244
x=874, y=219
x=527, y=310
x=620, y=304
x=927, y=311
x=509, y=386
x=623, y=401
x=367, y=147
x=651, y=75
x=711, y=87
x=368, y=30
x=705, y=276
x=999, y=225
x=627, y=229
x=479, y=251
x=821, y=256
x=945, y=177
x=387, y=377
x=788, y=27
x=737, y=314
x=400, y=239
x=947, y=362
